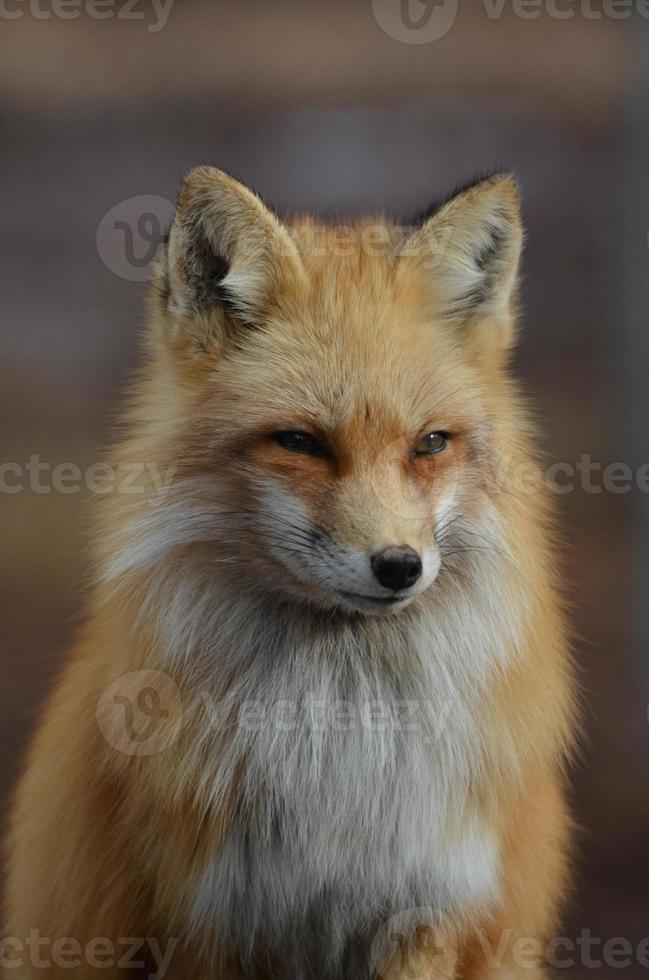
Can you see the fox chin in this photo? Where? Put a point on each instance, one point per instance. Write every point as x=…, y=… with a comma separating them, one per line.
x=317, y=720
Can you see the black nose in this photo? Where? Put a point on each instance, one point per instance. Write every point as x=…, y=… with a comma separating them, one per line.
x=397, y=567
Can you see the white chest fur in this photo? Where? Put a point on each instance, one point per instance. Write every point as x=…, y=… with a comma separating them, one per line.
x=355, y=762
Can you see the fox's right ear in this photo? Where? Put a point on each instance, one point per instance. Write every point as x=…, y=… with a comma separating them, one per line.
x=227, y=253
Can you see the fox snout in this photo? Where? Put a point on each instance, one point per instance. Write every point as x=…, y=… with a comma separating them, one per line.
x=342, y=550
x=383, y=580
x=397, y=567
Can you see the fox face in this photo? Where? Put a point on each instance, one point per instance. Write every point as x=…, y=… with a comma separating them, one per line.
x=341, y=393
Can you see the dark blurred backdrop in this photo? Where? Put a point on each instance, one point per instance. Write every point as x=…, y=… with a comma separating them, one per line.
x=340, y=107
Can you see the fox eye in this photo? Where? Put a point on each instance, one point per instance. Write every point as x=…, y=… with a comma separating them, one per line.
x=299, y=442
x=430, y=444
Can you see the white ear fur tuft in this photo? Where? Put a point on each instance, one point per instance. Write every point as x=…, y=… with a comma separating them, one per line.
x=470, y=249
x=226, y=248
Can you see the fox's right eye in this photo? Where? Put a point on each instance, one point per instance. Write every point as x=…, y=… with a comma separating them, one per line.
x=299, y=442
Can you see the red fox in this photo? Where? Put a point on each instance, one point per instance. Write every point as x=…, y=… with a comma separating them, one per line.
x=317, y=722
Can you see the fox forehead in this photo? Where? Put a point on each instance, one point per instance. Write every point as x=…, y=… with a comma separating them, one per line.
x=355, y=348
x=348, y=374
x=353, y=281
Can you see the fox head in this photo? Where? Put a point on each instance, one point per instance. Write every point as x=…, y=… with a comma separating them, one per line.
x=334, y=398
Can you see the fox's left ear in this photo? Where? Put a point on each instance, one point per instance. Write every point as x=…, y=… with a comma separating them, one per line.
x=469, y=250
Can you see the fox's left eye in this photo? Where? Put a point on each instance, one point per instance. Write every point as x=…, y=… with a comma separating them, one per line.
x=299, y=442
x=430, y=444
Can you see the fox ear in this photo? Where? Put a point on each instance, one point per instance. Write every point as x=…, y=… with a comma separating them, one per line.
x=469, y=248
x=226, y=250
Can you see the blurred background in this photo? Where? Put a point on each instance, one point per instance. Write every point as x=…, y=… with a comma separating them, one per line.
x=338, y=108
